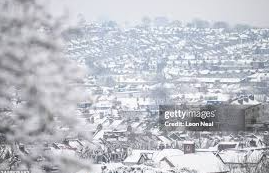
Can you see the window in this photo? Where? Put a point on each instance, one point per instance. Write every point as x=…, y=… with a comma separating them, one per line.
x=188, y=148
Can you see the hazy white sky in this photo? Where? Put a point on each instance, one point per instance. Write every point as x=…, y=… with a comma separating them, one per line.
x=253, y=12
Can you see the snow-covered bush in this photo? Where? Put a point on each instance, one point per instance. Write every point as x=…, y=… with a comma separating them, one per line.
x=37, y=94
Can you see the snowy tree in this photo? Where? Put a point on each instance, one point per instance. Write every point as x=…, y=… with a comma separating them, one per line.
x=146, y=21
x=161, y=21
x=199, y=23
x=221, y=24
x=37, y=93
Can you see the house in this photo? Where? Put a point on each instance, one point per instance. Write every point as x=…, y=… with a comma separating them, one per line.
x=164, y=141
x=137, y=157
x=158, y=156
x=223, y=145
x=238, y=160
x=254, y=111
x=204, y=162
x=74, y=144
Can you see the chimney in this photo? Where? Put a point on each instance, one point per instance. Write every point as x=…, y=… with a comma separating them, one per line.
x=101, y=115
x=188, y=147
x=246, y=99
x=240, y=101
x=251, y=97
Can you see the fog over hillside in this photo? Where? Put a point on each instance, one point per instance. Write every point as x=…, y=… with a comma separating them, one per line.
x=250, y=12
